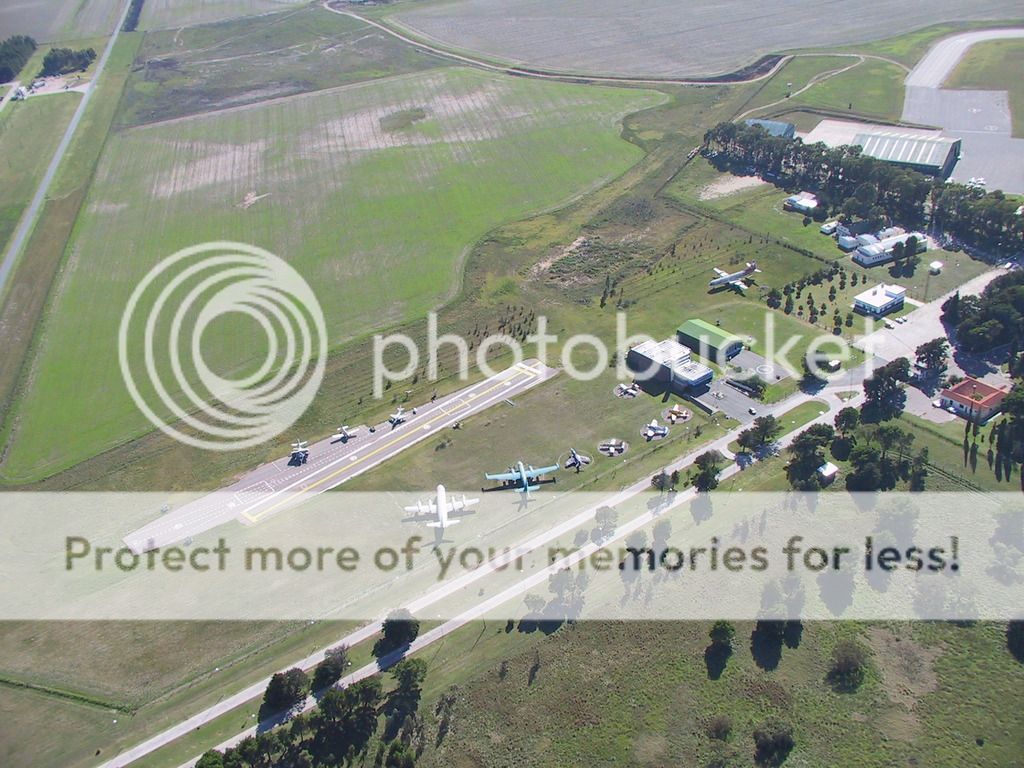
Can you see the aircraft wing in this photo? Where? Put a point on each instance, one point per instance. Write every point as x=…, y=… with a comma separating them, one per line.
x=457, y=505
x=423, y=509
x=720, y=272
x=538, y=471
x=503, y=476
x=740, y=284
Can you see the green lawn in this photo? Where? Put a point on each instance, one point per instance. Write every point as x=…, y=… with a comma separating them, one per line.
x=29, y=133
x=995, y=65
x=871, y=89
x=377, y=221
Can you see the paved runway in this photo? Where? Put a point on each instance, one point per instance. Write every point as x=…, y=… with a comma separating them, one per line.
x=274, y=487
x=981, y=119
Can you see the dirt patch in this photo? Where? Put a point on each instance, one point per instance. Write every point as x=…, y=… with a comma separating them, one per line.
x=216, y=164
x=545, y=264
x=728, y=185
x=908, y=673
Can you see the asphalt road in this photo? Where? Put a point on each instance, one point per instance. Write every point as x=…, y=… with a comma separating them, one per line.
x=28, y=219
x=942, y=58
x=828, y=396
x=278, y=486
x=981, y=119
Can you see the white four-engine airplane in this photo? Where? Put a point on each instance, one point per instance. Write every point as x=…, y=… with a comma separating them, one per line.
x=440, y=507
x=734, y=279
x=577, y=460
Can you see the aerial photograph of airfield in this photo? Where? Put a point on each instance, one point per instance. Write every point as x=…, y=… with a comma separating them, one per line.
x=561, y=283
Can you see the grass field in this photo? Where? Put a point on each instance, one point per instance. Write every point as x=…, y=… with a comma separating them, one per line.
x=653, y=38
x=59, y=20
x=640, y=694
x=175, y=14
x=29, y=133
x=995, y=65
x=759, y=209
x=376, y=220
x=215, y=66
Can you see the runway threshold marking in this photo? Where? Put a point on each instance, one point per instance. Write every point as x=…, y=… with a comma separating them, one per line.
x=519, y=369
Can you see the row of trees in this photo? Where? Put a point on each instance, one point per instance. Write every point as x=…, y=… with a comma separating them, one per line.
x=345, y=719
x=60, y=61
x=14, y=54
x=990, y=320
x=861, y=187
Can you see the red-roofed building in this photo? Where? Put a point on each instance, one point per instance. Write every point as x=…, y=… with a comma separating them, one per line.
x=974, y=400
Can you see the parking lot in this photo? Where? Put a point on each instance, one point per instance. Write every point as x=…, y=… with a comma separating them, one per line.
x=720, y=396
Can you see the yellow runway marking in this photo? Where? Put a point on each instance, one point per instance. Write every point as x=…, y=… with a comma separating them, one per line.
x=521, y=369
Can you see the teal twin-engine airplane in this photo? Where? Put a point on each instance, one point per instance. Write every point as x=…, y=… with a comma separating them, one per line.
x=521, y=477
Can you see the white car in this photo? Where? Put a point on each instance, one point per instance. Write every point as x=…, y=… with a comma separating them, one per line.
x=752, y=411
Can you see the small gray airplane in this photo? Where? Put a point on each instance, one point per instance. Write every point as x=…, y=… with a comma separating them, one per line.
x=300, y=452
x=576, y=460
x=345, y=433
x=654, y=430
x=398, y=417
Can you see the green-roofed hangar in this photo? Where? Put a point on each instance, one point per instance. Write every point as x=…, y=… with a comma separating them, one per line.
x=709, y=341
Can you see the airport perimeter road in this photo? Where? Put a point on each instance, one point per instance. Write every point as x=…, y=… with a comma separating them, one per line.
x=28, y=219
x=279, y=485
x=438, y=50
x=923, y=324
x=828, y=396
x=942, y=58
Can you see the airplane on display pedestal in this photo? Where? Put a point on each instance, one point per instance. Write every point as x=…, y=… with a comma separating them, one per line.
x=524, y=478
x=440, y=507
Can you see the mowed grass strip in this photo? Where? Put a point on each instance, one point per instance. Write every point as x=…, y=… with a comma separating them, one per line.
x=377, y=221
x=29, y=133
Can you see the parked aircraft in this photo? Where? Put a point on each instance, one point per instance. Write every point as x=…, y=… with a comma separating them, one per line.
x=654, y=430
x=440, y=507
x=734, y=279
x=300, y=452
x=576, y=460
x=345, y=433
x=397, y=417
x=520, y=477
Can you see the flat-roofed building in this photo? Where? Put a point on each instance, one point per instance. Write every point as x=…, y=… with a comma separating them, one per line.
x=869, y=254
x=934, y=155
x=668, y=362
x=973, y=399
x=805, y=203
x=709, y=340
x=774, y=127
x=880, y=300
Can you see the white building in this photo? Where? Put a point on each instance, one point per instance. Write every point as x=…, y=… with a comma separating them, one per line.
x=667, y=361
x=804, y=203
x=869, y=254
x=880, y=300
